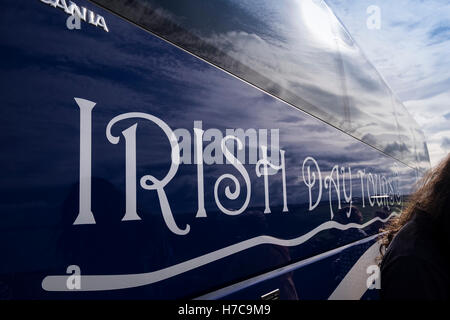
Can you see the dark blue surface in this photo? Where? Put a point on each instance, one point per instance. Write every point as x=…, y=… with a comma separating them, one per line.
x=44, y=66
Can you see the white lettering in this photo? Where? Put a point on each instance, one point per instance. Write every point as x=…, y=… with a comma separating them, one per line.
x=238, y=165
x=85, y=215
x=198, y=146
x=310, y=183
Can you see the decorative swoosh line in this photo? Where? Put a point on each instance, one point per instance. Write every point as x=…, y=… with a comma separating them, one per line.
x=124, y=281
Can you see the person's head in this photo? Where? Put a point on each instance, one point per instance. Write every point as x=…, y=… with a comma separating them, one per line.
x=432, y=195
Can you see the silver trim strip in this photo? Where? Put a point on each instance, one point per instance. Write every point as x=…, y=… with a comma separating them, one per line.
x=278, y=272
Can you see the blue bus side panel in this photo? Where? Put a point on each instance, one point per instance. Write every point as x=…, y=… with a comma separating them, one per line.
x=44, y=66
x=315, y=280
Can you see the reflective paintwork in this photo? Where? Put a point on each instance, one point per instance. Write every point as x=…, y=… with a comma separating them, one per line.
x=296, y=50
x=44, y=66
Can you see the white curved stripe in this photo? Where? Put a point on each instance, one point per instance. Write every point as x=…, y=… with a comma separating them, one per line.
x=124, y=281
x=354, y=284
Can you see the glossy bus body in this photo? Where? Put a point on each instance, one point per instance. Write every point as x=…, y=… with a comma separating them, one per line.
x=200, y=149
